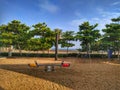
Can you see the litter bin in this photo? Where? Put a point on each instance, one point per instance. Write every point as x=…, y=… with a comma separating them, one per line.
x=109, y=53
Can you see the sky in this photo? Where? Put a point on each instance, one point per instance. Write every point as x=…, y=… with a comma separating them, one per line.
x=62, y=14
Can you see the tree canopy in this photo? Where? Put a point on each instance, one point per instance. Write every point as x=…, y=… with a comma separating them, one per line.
x=41, y=37
x=67, y=37
x=111, y=37
x=87, y=34
x=14, y=34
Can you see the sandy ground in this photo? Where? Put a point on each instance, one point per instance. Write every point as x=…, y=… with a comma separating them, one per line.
x=83, y=74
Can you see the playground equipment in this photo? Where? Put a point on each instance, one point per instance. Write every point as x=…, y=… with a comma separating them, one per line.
x=50, y=66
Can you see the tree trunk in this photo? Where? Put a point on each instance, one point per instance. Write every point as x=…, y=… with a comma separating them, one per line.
x=20, y=51
x=43, y=50
x=67, y=50
x=56, y=47
x=10, y=51
x=0, y=50
x=102, y=53
x=48, y=51
x=118, y=53
x=114, y=52
x=88, y=50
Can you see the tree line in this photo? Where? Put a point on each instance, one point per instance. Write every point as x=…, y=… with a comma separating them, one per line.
x=40, y=37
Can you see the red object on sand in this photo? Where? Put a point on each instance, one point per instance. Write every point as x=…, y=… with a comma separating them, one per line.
x=66, y=64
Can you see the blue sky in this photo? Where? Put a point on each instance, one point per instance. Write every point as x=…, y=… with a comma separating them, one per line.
x=63, y=14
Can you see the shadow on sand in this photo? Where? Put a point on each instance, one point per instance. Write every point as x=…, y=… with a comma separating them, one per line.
x=1, y=88
x=62, y=76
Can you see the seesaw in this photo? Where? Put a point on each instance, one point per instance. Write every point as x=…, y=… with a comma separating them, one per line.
x=49, y=66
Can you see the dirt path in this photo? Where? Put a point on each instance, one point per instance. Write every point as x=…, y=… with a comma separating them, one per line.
x=82, y=75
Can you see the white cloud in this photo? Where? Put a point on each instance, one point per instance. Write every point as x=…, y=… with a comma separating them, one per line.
x=103, y=19
x=115, y=3
x=77, y=22
x=49, y=6
x=78, y=14
x=106, y=14
x=101, y=22
x=106, y=17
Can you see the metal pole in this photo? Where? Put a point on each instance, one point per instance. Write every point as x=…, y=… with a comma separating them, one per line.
x=56, y=47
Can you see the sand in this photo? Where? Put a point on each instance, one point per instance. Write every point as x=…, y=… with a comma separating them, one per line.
x=83, y=74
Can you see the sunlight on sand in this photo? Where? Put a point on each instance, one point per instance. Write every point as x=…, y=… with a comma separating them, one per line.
x=111, y=63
